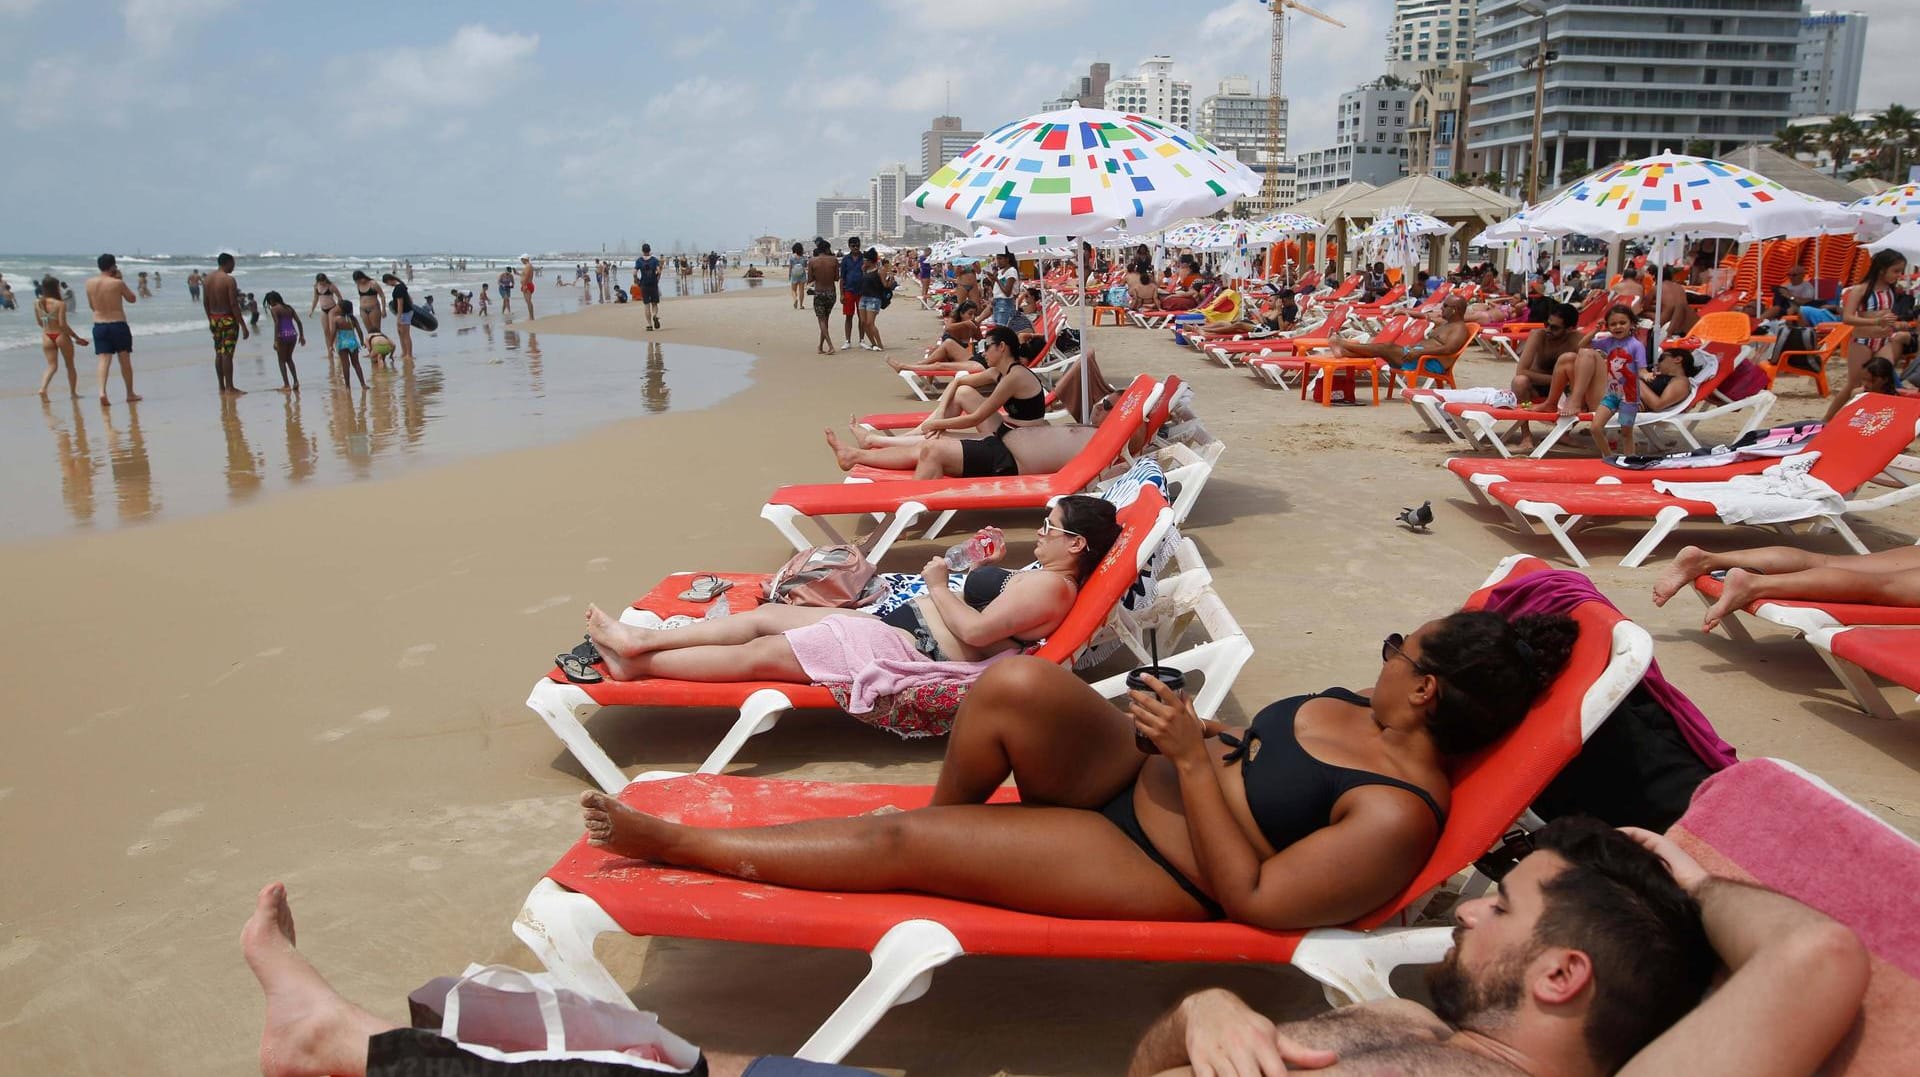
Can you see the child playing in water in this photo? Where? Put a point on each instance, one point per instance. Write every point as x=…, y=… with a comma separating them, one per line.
x=380, y=346
x=287, y=330
x=347, y=341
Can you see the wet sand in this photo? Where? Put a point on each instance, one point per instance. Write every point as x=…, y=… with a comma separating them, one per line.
x=326, y=688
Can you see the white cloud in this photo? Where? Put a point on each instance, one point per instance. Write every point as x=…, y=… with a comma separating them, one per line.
x=153, y=24
x=56, y=90
x=475, y=65
x=699, y=98
x=17, y=7
x=687, y=48
x=983, y=15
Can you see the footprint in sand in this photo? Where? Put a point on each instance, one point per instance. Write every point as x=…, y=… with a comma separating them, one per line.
x=178, y=815
x=599, y=564
x=166, y=820
x=364, y=718
x=416, y=655
x=546, y=604
x=424, y=863
x=270, y=652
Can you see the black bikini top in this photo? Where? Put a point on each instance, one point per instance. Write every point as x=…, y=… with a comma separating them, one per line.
x=1290, y=793
x=1025, y=409
x=983, y=585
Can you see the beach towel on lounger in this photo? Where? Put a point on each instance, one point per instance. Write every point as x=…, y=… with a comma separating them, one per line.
x=1783, y=493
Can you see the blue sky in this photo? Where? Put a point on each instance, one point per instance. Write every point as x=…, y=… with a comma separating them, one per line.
x=188, y=125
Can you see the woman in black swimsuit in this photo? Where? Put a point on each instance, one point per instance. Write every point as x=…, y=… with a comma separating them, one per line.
x=1318, y=813
x=1011, y=396
x=372, y=300
x=996, y=611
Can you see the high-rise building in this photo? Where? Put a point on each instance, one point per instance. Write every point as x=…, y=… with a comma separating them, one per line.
x=1428, y=32
x=825, y=208
x=1089, y=90
x=1628, y=78
x=847, y=222
x=1833, y=46
x=1369, y=141
x=943, y=142
x=1235, y=119
x=1434, y=133
x=884, y=192
x=1153, y=91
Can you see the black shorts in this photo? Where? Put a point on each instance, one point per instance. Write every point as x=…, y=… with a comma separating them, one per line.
x=650, y=293
x=111, y=338
x=987, y=456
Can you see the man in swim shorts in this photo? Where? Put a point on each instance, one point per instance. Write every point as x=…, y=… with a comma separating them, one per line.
x=850, y=288
x=220, y=298
x=105, y=294
x=646, y=270
x=823, y=273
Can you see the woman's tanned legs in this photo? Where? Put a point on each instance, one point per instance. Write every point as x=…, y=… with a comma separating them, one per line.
x=1078, y=756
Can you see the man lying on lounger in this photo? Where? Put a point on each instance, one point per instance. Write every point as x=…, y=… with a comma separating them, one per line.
x=1445, y=338
x=1882, y=578
x=1588, y=958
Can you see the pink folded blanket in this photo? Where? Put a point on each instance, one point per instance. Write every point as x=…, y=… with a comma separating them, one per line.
x=871, y=659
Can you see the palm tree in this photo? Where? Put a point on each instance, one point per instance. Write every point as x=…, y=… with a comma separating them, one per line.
x=1839, y=137
x=1793, y=139
x=1699, y=147
x=1893, y=131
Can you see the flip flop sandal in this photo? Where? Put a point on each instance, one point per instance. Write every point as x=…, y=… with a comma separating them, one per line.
x=586, y=652
x=705, y=589
x=579, y=672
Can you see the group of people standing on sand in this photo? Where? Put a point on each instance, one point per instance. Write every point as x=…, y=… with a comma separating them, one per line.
x=107, y=296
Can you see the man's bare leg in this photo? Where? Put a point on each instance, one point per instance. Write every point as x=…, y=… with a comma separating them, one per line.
x=1693, y=562
x=310, y=1030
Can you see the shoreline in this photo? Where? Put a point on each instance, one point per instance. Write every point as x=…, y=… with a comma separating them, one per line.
x=327, y=690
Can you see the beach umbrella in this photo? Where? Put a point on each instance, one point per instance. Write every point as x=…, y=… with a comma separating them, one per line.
x=1400, y=236
x=1878, y=214
x=995, y=243
x=1905, y=239
x=1081, y=172
x=1678, y=195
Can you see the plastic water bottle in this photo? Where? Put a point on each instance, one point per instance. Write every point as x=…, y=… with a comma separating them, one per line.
x=984, y=546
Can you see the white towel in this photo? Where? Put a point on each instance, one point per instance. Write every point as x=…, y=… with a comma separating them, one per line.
x=1782, y=493
x=1497, y=398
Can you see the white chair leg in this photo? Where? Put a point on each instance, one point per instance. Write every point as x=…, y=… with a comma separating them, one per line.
x=903, y=518
x=760, y=712
x=903, y=964
x=1664, y=522
x=1859, y=683
x=559, y=926
x=785, y=519
x=1547, y=516
x=939, y=523
x=565, y=709
x=1355, y=967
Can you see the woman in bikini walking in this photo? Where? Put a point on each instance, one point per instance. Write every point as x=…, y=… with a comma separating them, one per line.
x=372, y=300
x=1868, y=308
x=56, y=335
x=326, y=296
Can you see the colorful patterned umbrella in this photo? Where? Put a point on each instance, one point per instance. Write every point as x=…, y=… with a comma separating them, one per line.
x=1671, y=194
x=1272, y=229
x=1899, y=205
x=1082, y=171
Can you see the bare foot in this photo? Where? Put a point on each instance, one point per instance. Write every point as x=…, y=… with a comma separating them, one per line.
x=1687, y=565
x=861, y=435
x=1735, y=592
x=844, y=456
x=310, y=1030
x=621, y=645
x=617, y=828
x=896, y=364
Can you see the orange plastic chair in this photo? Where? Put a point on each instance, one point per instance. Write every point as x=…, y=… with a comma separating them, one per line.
x=1835, y=339
x=1723, y=327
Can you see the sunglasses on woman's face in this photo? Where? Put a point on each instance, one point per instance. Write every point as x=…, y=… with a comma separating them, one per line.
x=1392, y=647
x=1048, y=527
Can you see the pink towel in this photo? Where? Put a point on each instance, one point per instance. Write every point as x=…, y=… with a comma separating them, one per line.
x=1558, y=591
x=872, y=658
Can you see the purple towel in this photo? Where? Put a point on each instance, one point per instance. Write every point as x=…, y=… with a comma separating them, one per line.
x=1559, y=591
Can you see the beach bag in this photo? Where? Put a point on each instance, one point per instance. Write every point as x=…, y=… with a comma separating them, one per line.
x=1746, y=380
x=834, y=577
x=500, y=1013
x=423, y=319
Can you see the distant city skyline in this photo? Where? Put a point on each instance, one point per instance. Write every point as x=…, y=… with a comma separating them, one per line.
x=572, y=125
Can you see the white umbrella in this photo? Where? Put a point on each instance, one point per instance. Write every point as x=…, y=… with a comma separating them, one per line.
x=1673, y=194
x=1082, y=172
x=995, y=243
x=1905, y=239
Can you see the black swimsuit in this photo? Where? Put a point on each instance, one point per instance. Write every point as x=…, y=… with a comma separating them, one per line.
x=986, y=456
x=980, y=588
x=1289, y=792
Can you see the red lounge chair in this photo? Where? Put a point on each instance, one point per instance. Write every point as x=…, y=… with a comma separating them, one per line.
x=1802, y=617
x=1274, y=369
x=1857, y=655
x=903, y=502
x=1226, y=351
x=566, y=706
x=1871, y=432
x=589, y=892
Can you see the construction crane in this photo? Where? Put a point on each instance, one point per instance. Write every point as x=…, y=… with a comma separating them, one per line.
x=1276, y=63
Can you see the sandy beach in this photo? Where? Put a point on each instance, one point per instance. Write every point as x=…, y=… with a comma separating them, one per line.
x=325, y=687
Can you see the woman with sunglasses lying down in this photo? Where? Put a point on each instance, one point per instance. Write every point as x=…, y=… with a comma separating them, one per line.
x=1318, y=813
x=996, y=610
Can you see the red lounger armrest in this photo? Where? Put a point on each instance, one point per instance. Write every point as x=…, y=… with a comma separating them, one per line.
x=1625, y=499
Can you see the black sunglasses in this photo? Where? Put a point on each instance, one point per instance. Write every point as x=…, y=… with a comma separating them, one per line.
x=1506, y=856
x=1393, y=645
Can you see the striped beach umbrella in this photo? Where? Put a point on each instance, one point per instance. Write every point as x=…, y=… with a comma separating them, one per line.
x=1899, y=205
x=1082, y=171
